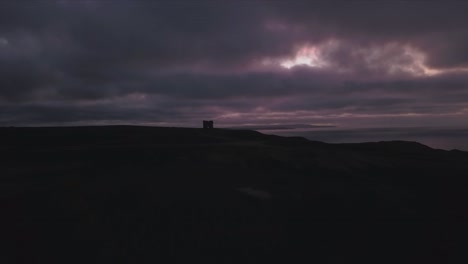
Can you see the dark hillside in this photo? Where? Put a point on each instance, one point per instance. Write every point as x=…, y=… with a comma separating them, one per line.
x=125, y=194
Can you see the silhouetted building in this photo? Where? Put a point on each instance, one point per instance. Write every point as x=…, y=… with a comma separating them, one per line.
x=207, y=124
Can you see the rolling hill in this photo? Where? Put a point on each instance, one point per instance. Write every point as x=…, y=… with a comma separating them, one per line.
x=129, y=194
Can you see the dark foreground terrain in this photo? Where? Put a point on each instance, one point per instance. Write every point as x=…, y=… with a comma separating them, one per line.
x=178, y=195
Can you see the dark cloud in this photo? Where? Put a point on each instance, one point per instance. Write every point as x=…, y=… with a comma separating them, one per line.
x=154, y=61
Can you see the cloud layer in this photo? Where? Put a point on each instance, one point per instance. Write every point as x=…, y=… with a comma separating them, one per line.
x=243, y=62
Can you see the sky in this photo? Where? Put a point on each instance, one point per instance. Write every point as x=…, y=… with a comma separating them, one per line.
x=356, y=63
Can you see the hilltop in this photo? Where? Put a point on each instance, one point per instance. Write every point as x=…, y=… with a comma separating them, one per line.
x=138, y=194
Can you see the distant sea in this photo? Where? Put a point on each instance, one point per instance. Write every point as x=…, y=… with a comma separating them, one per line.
x=434, y=137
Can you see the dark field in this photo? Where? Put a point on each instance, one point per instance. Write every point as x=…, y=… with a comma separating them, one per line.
x=124, y=194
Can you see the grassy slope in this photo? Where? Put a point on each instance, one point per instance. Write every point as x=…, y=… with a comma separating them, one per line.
x=138, y=194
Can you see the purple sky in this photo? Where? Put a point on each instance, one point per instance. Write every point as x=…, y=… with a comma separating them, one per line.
x=345, y=63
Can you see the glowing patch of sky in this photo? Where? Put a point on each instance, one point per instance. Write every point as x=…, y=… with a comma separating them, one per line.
x=305, y=56
x=415, y=65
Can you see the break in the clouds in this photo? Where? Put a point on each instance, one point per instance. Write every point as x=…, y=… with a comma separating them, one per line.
x=346, y=63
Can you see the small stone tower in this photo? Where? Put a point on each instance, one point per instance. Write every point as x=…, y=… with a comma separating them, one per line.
x=207, y=124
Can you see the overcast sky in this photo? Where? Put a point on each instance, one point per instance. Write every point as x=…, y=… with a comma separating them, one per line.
x=346, y=63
